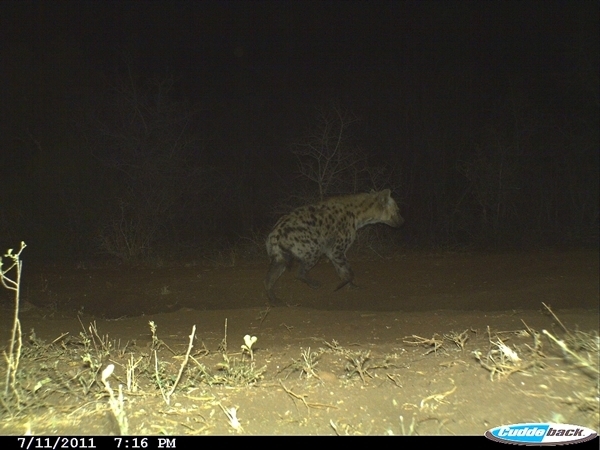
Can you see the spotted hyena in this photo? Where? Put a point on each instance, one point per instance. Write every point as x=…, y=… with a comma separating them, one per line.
x=325, y=228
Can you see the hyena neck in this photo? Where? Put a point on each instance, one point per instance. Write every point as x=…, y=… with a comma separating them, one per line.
x=361, y=212
x=361, y=222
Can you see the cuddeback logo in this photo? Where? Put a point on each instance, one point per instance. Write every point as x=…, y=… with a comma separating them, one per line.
x=540, y=434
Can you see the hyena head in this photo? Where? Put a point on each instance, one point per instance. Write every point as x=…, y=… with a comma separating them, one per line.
x=381, y=208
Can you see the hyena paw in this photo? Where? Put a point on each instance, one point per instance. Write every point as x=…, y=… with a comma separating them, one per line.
x=312, y=283
x=273, y=299
x=348, y=283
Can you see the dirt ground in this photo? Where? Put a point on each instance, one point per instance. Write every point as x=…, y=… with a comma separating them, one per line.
x=419, y=348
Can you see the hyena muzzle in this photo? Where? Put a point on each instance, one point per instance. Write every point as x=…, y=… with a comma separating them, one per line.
x=325, y=228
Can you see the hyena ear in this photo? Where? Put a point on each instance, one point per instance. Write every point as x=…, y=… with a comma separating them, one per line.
x=385, y=194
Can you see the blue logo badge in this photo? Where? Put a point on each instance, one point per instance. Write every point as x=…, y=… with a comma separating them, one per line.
x=540, y=434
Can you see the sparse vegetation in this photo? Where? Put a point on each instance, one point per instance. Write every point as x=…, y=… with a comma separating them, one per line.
x=180, y=375
x=175, y=385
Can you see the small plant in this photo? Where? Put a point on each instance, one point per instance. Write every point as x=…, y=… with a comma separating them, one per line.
x=580, y=348
x=459, y=339
x=167, y=394
x=116, y=402
x=102, y=344
x=231, y=414
x=96, y=349
x=14, y=351
x=233, y=372
x=431, y=402
x=500, y=358
x=588, y=363
x=162, y=378
x=247, y=345
x=434, y=344
x=223, y=345
x=183, y=365
x=411, y=428
x=360, y=364
x=132, y=384
x=308, y=363
x=334, y=346
x=88, y=377
x=156, y=342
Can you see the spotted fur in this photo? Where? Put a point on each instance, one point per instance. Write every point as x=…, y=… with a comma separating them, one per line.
x=325, y=228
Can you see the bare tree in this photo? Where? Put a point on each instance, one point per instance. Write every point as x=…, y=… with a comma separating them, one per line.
x=145, y=141
x=327, y=159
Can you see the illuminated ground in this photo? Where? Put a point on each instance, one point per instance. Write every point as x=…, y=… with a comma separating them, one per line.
x=375, y=369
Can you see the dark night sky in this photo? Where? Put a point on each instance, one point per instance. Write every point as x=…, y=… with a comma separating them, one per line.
x=279, y=54
x=426, y=79
x=309, y=47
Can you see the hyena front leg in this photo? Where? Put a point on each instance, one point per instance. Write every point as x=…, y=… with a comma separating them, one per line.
x=343, y=269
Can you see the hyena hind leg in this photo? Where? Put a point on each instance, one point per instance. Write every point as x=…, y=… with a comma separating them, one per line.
x=275, y=271
x=305, y=266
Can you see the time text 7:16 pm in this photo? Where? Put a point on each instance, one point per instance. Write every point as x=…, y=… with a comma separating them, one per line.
x=145, y=442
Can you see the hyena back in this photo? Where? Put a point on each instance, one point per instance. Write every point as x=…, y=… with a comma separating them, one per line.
x=325, y=228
